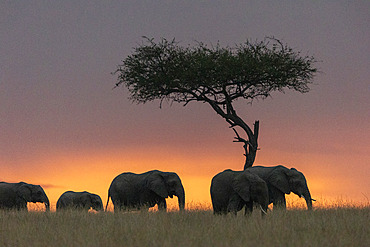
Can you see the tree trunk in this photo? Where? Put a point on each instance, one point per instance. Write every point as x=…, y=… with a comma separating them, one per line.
x=230, y=115
x=251, y=145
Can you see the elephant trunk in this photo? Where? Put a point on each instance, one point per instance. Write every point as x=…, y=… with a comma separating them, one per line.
x=44, y=199
x=307, y=197
x=47, y=205
x=180, y=193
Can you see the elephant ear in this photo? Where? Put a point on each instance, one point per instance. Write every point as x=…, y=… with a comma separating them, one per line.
x=241, y=185
x=25, y=192
x=86, y=199
x=157, y=185
x=279, y=179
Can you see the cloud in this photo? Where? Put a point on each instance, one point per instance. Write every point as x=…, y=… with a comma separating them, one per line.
x=51, y=186
x=45, y=186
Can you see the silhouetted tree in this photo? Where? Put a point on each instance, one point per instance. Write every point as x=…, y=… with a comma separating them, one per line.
x=215, y=75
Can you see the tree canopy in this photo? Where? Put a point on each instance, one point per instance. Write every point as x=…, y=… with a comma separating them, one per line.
x=216, y=75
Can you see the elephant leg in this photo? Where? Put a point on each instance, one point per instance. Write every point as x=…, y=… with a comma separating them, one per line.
x=220, y=212
x=248, y=208
x=279, y=201
x=162, y=205
x=143, y=208
x=118, y=206
x=235, y=204
x=21, y=206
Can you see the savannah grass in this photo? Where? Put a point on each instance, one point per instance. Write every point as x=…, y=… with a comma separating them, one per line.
x=330, y=226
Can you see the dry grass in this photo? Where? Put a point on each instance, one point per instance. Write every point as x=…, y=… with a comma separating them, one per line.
x=334, y=226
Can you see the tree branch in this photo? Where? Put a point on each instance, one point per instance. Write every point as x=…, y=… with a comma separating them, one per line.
x=238, y=138
x=217, y=76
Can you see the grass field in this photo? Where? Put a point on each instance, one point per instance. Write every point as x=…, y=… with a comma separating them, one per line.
x=334, y=226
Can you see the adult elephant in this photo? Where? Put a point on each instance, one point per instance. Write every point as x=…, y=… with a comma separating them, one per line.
x=232, y=190
x=136, y=191
x=79, y=200
x=17, y=195
x=281, y=180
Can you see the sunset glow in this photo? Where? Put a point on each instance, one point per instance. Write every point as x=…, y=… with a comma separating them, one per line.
x=87, y=173
x=64, y=127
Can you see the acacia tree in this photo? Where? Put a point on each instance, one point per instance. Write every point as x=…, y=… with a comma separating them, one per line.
x=216, y=75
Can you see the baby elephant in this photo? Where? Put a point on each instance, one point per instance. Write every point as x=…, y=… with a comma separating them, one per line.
x=79, y=200
x=231, y=190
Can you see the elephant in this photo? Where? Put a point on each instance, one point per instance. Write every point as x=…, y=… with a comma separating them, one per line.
x=137, y=191
x=79, y=200
x=281, y=180
x=231, y=190
x=16, y=195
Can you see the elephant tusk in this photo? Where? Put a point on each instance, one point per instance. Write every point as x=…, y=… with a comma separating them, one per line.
x=263, y=210
x=310, y=199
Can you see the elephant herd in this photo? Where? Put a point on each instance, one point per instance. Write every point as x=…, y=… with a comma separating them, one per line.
x=230, y=191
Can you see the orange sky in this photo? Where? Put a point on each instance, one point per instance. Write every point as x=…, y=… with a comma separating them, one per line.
x=62, y=125
x=94, y=173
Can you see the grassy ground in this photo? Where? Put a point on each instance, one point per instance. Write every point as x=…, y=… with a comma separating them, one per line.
x=336, y=226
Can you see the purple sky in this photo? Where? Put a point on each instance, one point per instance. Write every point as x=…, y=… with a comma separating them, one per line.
x=56, y=97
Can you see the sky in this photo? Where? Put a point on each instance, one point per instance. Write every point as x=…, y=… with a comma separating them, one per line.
x=63, y=126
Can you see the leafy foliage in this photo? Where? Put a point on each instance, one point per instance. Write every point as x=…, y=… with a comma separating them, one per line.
x=166, y=70
x=216, y=75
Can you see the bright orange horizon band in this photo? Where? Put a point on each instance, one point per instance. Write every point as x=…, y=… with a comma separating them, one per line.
x=198, y=196
x=94, y=173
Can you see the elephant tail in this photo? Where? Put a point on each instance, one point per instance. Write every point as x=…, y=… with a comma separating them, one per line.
x=106, y=206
